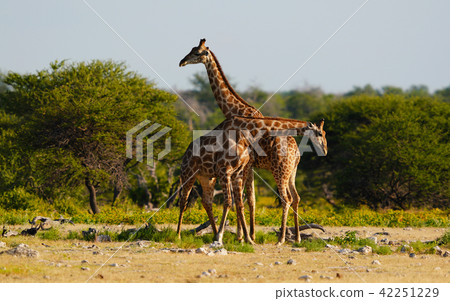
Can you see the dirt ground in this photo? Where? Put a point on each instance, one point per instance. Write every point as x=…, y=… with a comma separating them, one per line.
x=79, y=261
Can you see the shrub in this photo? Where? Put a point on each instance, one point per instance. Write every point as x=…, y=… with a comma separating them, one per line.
x=20, y=199
x=50, y=234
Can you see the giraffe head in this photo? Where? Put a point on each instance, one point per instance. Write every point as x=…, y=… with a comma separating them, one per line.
x=317, y=136
x=197, y=55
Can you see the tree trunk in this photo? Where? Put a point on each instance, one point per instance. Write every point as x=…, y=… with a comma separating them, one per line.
x=117, y=192
x=92, y=196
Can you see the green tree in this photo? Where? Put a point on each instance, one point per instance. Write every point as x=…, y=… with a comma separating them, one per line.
x=366, y=90
x=443, y=94
x=74, y=118
x=390, y=151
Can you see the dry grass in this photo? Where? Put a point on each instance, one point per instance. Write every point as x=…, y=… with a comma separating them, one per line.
x=61, y=262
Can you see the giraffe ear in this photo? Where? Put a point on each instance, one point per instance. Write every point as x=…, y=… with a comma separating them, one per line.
x=202, y=42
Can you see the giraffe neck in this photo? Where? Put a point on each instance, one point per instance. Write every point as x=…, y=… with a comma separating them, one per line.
x=228, y=100
x=269, y=124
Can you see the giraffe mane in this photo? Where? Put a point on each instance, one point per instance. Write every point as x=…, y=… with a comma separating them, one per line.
x=227, y=83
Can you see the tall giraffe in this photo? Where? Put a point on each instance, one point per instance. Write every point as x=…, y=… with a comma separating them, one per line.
x=228, y=154
x=282, y=154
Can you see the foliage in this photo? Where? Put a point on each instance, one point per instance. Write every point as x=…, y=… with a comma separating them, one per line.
x=311, y=245
x=19, y=198
x=389, y=151
x=50, y=234
x=72, y=122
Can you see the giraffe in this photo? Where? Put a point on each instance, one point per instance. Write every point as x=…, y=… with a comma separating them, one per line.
x=210, y=157
x=282, y=154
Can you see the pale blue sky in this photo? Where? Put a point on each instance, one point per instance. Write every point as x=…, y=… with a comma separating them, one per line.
x=401, y=43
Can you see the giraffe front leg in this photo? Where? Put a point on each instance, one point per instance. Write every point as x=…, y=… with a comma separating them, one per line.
x=237, y=192
x=295, y=202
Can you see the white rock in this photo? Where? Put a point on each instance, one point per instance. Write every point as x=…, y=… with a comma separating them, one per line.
x=437, y=250
x=365, y=250
x=205, y=274
x=115, y=265
x=259, y=263
x=212, y=271
x=222, y=251
x=259, y=276
x=307, y=278
x=345, y=251
x=2, y=244
x=216, y=244
x=277, y=263
x=201, y=251
x=377, y=262
x=374, y=238
x=85, y=268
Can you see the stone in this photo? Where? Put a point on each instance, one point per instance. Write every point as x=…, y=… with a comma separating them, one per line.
x=326, y=277
x=446, y=254
x=437, y=268
x=222, y=251
x=84, y=261
x=405, y=248
x=437, y=250
x=216, y=244
x=85, y=268
x=205, y=274
x=22, y=250
x=307, y=278
x=377, y=262
x=58, y=265
x=2, y=244
x=408, y=229
x=278, y=263
x=412, y=255
x=365, y=250
x=384, y=240
x=114, y=265
x=46, y=277
x=296, y=250
x=259, y=276
x=373, y=238
x=331, y=246
x=212, y=271
x=344, y=251
x=223, y=276
x=97, y=253
x=291, y=262
x=201, y=251
x=259, y=263
x=103, y=238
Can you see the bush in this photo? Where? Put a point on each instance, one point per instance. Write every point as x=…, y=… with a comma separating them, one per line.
x=390, y=151
x=20, y=199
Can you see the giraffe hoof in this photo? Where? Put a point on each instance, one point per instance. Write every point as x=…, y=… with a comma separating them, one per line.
x=278, y=244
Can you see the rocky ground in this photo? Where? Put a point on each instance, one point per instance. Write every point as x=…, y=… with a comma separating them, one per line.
x=29, y=259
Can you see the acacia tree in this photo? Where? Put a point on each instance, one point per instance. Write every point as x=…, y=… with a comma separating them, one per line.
x=74, y=119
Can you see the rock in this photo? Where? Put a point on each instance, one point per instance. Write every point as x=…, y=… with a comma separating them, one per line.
x=374, y=238
x=408, y=229
x=85, y=268
x=326, y=277
x=339, y=275
x=384, y=240
x=345, y=251
x=412, y=255
x=212, y=271
x=296, y=250
x=114, y=265
x=68, y=266
x=2, y=244
x=205, y=274
x=259, y=276
x=84, y=261
x=405, y=248
x=222, y=251
x=259, y=263
x=278, y=263
x=331, y=246
x=216, y=244
x=437, y=250
x=223, y=276
x=46, y=277
x=201, y=251
x=58, y=265
x=437, y=268
x=365, y=250
x=307, y=278
x=446, y=254
x=368, y=270
x=291, y=262
x=377, y=262
x=97, y=253
x=22, y=250
x=211, y=254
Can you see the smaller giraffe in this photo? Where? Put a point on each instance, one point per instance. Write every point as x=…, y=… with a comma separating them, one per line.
x=230, y=160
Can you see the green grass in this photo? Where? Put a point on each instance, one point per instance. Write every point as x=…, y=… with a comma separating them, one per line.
x=265, y=238
x=311, y=245
x=264, y=216
x=50, y=234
